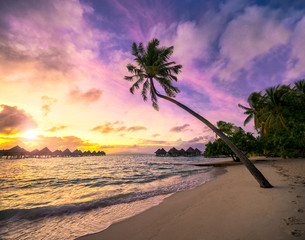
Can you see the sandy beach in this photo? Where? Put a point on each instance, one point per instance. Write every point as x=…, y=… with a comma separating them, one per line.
x=231, y=207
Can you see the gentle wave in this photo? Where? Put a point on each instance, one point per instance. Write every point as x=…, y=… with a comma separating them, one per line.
x=50, y=211
x=59, y=193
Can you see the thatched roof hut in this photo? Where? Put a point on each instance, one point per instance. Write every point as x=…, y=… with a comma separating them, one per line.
x=158, y=152
x=182, y=152
x=45, y=152
x=57, y=153
x=34, y=153
x=77, y=153
x=101, y=153
x=190, y=151
x=197, y=151
x=67, y=152
x=17, y=152
x=173, y=152
x=163, y=152
x=86, y=153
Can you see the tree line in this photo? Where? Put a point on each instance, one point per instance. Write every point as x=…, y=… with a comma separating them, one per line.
x=279, y=120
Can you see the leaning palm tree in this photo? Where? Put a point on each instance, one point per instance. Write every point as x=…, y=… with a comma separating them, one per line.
x=153, y=65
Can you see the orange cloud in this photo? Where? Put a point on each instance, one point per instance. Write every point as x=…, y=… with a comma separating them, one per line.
x=55, y=128
x=48, y=101
x=180, y=128
x=90, y=96
x=154, y=142
x=111, y=127
x=14, y=120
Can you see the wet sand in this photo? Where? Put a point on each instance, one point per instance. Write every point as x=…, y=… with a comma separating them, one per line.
x=233, y=206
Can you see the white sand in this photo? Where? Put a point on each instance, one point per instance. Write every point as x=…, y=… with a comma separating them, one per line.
x=231, y=207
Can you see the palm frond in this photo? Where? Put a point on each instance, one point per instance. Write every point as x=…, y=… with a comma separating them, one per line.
x=243, y=107
x=141, y=49
x=155, y=106
x=144, y=90
x=131, y=68
x=136, y=85
x=282, y=121
x=154, y=99
x=248, y=119
x=166, y=53
x=129, y=78
x=135, y=50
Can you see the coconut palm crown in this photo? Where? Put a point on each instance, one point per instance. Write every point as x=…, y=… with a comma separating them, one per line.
x=153, y=64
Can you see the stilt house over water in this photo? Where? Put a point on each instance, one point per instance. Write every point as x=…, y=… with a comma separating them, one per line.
x=173, y=152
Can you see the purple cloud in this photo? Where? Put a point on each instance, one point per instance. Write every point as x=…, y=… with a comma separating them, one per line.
x=14, y=120
x=180, y=128
x=113, y=127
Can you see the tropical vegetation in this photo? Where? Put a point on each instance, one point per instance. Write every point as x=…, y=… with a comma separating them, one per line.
x=245, y=141
x=152, y=70
x=279, y=119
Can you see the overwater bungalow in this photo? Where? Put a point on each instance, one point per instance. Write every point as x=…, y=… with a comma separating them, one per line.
x=86, y=153
x=57, y=153
x=158, y=152
x=190, y=152
x=45, y=152
x=67, y=153
x=182, y=152
x=197, y=152
x=16, y=152
x=161, y=152
x=77, y=153
x=173, y=152
x=101, y=153
x=34, y=153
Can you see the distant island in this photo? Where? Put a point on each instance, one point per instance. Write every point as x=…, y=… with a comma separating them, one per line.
x=19, y=152
x=173, y=152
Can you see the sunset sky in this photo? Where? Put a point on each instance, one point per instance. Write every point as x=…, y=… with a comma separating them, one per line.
x=62, y=65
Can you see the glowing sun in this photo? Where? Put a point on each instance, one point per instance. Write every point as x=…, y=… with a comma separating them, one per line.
x=31, y=134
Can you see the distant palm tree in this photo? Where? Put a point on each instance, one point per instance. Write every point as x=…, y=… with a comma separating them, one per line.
x=272, y=115
x=153, y=64
x=299, y=86
x=255, y=102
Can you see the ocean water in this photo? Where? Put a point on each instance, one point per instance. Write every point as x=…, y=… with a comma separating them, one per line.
x=65, y=198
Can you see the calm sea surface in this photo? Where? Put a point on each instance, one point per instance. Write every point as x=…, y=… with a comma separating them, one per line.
x=64, y=198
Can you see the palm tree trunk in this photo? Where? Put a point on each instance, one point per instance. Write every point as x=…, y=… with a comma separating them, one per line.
x=263, y=182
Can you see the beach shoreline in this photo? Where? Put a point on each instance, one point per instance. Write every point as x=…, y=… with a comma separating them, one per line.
x=232, y=206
